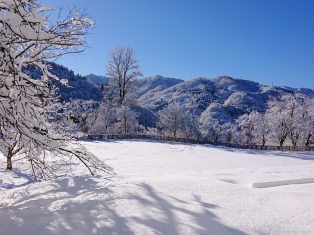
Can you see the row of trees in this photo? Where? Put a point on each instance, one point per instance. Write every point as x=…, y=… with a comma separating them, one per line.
x=288, y=120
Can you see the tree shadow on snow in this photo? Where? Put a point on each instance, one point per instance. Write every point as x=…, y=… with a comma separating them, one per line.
x=85, y=205
x=78, y=205
x=175, y=210
x=25, y=179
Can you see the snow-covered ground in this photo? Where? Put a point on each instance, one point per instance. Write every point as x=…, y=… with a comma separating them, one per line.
x=167, y=188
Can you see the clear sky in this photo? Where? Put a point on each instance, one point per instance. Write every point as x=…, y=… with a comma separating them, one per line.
x=268, y=41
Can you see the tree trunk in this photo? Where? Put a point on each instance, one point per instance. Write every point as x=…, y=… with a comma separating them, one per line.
x=12, y=151
x=9, y=162
x=308, y=140
x=125, y=125
x=264, y=141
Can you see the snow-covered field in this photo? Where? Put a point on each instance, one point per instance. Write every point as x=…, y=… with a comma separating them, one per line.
x=167, y=188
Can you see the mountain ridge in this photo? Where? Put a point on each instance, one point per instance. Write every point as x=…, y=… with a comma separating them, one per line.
x=225, y=96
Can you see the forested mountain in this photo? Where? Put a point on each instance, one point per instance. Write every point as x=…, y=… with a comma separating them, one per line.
x=225, y=98
x=77, y=87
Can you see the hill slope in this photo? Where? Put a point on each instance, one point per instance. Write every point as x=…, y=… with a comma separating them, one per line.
x=232, y=97
x=97, y=80
x=78, y=87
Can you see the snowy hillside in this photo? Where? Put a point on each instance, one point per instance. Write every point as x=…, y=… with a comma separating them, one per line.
x=97, y=80
x=78, y=87
x=165, y=188
x=233, y=96
x=230, y=97
x=147, y=86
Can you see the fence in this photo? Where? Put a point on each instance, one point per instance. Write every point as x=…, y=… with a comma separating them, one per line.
x=200, y=141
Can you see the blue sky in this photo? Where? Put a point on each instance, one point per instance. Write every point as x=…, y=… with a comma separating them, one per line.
x=268, y=41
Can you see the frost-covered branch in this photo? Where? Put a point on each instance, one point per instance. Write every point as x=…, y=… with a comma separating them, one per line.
x=26, y=124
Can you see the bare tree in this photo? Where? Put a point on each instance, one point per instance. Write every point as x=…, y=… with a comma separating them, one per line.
x=263, y=129
x=308, y=120
x=123, y=69
x=228, y=132
x=190, y=126
x=247, y=123
x=294, y=117
x=11, y=147
x=105, y=118
x=212, y=129
x=255, y=127
x=80, y=114
x=286, y=117
x=26, y=38
x=126, y=120
x=278, y=118
x=171, y=119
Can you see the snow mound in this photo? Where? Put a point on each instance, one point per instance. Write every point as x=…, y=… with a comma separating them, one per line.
x=282, y=183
